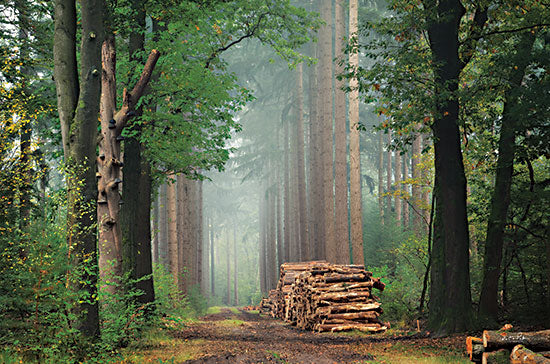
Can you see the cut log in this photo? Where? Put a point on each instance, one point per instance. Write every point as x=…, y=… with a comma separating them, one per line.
x=522, y=355
x=360, y=327
x=501, y=356
x=474, y=348
x=355, y=316
x=343, y=296
x=536, y=340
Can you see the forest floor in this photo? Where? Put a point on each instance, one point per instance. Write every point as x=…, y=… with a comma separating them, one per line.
x=231, y=335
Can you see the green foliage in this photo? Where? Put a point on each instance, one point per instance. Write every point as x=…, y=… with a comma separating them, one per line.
x=122, y=317
x=170, y=303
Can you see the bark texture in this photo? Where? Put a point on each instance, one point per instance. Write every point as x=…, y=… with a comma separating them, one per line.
x=78, y=106
x=450, y=298
x=341, y=228
x=355, y=199
x=325, y=115
x=500, y=200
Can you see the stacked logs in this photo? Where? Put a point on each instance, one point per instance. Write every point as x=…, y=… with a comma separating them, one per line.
x=502, y=346
x=328, y=297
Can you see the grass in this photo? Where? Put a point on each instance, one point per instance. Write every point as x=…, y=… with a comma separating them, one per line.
x=159, y=347
x=412, y=352
x=231, y=323
x=213, y=310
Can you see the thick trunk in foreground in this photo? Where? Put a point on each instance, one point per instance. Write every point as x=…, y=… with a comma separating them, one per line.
x=488, y=304
x=78, y=107
x=355, y=199
x=450, y=298
x=110, y=163
x=135, y=213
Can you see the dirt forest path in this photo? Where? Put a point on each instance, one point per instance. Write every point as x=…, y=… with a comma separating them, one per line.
x=236, y=336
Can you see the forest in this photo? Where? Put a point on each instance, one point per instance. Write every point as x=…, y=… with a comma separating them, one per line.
x=163, y=163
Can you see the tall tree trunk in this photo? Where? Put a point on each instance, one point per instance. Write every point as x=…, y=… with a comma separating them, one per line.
x=450, y=298
x=315, y=225
x=212, y=261
x=172, y=217
x=228, y=266
x=143, y=265
x=389, y=172
x=325, y=114
x=271, y=244
x=262, y=250
x=206, y=254
x=280, y=247
x=235, y=271
x=500, y=201
x=156, y=229
x=286, y=196
x=341, y=227
x=355, y=199
x=302, y=204
x=110, y=173
x=135, y=214
x=78, y=107
x=200, y=235
x=381, y=176
x=188, y=228
x=418, y=221
x=406, y=208
x=426, y=199
x=398, y=197
x=163, y=225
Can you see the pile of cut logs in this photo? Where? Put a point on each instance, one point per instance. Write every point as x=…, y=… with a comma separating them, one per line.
x=503, y=346
x=321, y=296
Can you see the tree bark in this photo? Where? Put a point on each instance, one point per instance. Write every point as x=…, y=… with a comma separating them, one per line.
x=397, y=181
x=355, y=200
x=450, y=298
x=172, y=217
x=78, y=107
x=200, y=235
x=488, y=304
x=235, y=270
x=212, y=261
x=381, y=177
x=302, y=203
x=325, y=114
x=406, y=192
x=341, y=227
x=416, y=201
x=271, y=259
x=315, y=225
x=163, y=226
x=262, y=236
x=279, y=197
x=228, y=266
x=286, y=205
